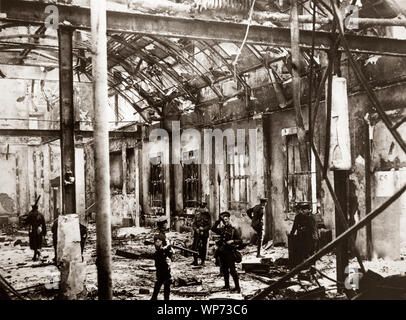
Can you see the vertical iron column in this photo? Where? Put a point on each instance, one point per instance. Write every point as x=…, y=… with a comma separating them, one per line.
x=67, y=119
x=296, y=85
x=101, y=143
x=368, y=192
x=342, y=259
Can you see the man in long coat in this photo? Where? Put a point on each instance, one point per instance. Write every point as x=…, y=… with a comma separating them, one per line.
x=37, y=230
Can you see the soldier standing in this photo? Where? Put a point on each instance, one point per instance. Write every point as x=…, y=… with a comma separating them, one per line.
x=229, y=239
x=201, y=228
x=305, y=230
x=256, y=214
x=37, y=230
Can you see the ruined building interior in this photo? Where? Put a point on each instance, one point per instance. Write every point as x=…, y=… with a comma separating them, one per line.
x=220, y=102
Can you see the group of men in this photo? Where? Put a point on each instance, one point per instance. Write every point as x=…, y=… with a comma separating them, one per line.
x=227, y=246
x=304, y=230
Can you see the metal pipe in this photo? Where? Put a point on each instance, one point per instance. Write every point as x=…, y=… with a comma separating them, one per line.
x=101, y=144
x=362, y=22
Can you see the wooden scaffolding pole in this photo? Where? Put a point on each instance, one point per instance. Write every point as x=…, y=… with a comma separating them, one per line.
x=101, y=143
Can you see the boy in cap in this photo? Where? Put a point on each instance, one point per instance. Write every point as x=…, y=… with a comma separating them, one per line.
x=162, y=257
x=229, y=239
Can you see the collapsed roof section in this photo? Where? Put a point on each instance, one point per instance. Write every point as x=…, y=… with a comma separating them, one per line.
x=149, y=71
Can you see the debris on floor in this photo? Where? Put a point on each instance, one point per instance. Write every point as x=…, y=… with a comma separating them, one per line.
x=134, y=271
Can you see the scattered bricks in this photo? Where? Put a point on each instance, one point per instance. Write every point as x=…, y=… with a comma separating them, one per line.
x=144, y=291
x=2, y=239
x=17, y=242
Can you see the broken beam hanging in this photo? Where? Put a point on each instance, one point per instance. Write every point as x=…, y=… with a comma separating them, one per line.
x=33, y=12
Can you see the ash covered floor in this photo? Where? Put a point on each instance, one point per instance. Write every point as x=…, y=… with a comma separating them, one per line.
x=133, y=279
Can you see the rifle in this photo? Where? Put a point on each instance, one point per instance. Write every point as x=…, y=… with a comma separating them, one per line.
x=147, y=242
x=36, y=201
x=22, y=219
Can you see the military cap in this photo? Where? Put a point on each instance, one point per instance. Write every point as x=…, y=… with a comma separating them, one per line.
x=161, y=221
x=302, y=205
x=225, y=214
x=159, y=236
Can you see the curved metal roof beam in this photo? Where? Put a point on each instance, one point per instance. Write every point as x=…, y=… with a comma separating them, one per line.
x=129, y=70
x=139, y=89
x=122, y=94
x=229, y=67
x=152, y=58
x=169, y=45
x=140, y=74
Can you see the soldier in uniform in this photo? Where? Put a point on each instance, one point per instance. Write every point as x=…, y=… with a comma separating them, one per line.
x=229, y=239
x=162, y=257
x=305, y=231
x=37, y=230
x=201, y=227
x=256, y=214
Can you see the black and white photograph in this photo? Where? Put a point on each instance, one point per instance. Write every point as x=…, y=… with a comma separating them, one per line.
x=210, y=153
